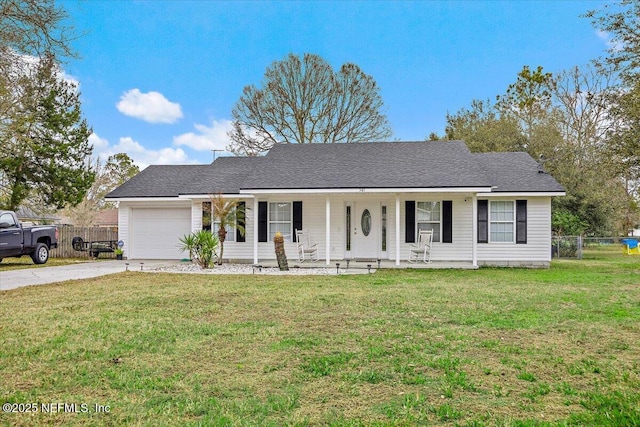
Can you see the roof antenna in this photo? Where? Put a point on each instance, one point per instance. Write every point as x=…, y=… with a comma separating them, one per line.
x=214, y=154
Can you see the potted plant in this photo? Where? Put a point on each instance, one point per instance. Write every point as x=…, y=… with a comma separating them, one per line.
x=118, y=252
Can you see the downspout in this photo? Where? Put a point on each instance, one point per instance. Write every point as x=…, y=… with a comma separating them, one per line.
x=397, y=230
x=328, y=231
x=474, y=230
x=255, y=230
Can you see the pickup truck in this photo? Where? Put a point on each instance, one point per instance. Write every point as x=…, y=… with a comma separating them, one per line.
x=16, y=240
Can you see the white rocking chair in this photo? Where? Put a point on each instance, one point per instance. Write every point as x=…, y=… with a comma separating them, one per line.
x=422, y=250
x=306, y=250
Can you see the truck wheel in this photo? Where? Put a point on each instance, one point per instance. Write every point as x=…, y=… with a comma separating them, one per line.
x=41, y=254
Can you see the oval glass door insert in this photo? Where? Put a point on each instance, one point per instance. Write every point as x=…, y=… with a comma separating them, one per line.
x=365, y=222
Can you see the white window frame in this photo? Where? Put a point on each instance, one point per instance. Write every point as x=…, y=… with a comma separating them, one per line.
x=436, y=238
x=270, y=221
x=493, y=221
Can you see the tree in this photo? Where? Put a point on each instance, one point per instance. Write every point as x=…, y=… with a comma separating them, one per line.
x=583, y=161
x=108, y=175
x=45, y=141
x=29, y=29
x=620, y=21
x=484, y=129
x=564, y=122
x=226, y=213
x=624, y=148
x=35, y=27
x=528, y=101
x=304, y=101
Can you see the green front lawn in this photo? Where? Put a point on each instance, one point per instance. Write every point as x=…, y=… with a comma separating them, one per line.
x=26, y=262
x=506, y=347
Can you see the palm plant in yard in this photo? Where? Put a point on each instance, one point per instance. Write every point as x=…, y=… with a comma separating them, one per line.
x=226, y=213
x=202, y=247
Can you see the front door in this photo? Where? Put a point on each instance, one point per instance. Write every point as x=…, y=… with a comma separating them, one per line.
x=365, y=231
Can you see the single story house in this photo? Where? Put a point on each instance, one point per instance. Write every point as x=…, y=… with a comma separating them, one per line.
x=483, y=208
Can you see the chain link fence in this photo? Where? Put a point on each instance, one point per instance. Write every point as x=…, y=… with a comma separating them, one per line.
x=572, y=246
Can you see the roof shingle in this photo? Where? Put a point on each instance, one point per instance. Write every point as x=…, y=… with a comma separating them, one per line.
x=363, y=165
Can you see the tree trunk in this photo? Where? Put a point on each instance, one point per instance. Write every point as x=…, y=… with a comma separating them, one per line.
x=222, y=235
x=278, y=242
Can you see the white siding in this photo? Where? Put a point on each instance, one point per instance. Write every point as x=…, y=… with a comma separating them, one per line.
x=460, y=248
x=242, y=251
x=537, y=250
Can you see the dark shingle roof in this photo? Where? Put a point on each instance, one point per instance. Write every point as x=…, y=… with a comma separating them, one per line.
x=364, y=165
x=160, y=181
x=511, y=172
x=226, y=175
x=370, y=165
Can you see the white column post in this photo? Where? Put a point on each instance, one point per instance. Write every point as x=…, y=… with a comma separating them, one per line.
x=328, y=230
x=255, y=230
x=474, y=230
x=397, y=229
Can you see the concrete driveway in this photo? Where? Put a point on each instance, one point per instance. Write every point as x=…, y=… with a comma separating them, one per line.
x=40, y=276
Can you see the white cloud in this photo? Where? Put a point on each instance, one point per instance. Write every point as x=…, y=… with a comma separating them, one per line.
x=151, y=107
x=144, y=157
x=141, y=156
x=612, y=44
x=98, y=144
x=207, y=138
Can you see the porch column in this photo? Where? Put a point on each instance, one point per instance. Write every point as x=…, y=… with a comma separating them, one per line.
x=474, y=229
x=328, y=230
x=397, y=229
x=255, y=230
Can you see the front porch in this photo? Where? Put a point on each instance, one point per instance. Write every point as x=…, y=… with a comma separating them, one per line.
x=346, y=265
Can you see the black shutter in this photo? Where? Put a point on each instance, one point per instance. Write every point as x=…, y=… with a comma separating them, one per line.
x=262, y=221
x=483, y=221
x=241, y=216
x=521, y=221
x=447, y=221
x=297, y=219
x=410, y=221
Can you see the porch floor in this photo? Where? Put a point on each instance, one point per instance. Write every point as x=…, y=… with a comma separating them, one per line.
x=384, y=264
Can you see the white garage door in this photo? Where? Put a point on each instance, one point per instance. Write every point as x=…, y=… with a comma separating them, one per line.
x=155, y=233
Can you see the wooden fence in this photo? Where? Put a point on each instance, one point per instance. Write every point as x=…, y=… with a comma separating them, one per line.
x=88, y=234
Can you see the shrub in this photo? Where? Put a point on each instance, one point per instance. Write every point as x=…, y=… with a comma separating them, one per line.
x=202, y=247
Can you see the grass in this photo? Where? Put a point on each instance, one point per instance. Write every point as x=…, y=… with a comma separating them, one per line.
x=493, y=347
x=26, y=262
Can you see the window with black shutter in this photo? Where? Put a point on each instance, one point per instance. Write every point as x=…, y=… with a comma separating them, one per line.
x=483, y=221
x=521, y=221
x=410, y=221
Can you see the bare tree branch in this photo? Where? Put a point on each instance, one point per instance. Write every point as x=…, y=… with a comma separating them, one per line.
x=305, y=101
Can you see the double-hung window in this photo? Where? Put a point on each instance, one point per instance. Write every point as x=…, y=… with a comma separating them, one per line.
x=428, y=218
x=280, y=220
x=502, y=221
x=214, y=226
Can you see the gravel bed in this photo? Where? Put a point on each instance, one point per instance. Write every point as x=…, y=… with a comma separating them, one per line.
x=249, y=269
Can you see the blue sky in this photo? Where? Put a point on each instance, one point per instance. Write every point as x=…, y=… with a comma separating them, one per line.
x=159, y=78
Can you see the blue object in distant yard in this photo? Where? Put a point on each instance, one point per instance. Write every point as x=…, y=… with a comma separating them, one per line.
x=631, y=243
